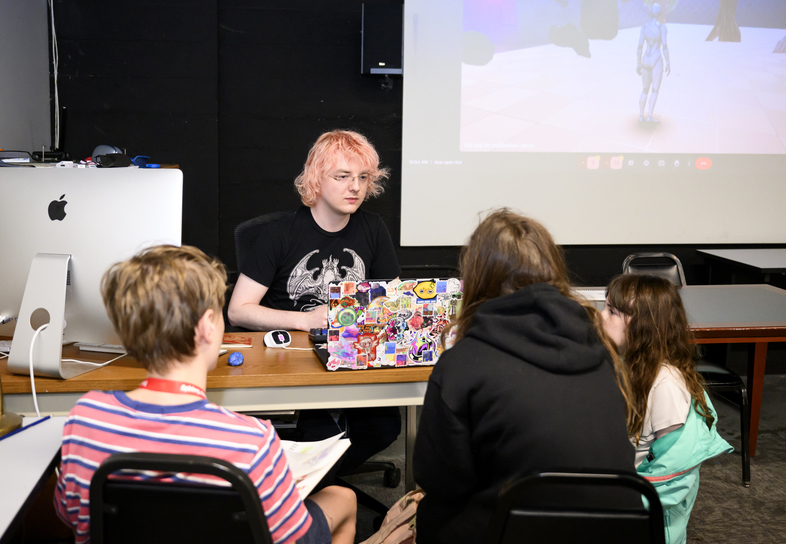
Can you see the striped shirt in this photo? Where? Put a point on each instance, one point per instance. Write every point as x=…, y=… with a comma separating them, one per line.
x=103, y=423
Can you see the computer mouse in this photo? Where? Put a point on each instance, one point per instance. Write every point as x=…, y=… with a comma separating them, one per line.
x=277, y=339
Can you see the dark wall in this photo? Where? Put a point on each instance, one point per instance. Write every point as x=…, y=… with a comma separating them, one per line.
x=144, y=76
x=290, y=71
x=235, y=92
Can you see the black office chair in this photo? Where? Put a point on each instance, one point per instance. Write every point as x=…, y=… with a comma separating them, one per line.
x=664, y=265
x=131, y=511
x=716, y=378
x=722, y=380
x=246, y=234
x=568, y=507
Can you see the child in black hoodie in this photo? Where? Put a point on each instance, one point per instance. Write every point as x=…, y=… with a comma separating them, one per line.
x=532, y=383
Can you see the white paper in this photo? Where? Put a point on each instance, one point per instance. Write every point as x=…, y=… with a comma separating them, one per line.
x=310, y=461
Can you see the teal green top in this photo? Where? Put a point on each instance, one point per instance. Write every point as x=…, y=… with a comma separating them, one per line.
x=672, y=467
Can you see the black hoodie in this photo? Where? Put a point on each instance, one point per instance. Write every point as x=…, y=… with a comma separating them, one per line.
x=529, y=388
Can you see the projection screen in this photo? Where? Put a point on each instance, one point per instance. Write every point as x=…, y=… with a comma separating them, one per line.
x=547, y=107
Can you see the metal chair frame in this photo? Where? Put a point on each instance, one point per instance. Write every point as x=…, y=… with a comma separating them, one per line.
x=126, y=510
x=628, y=265
x=516, y=519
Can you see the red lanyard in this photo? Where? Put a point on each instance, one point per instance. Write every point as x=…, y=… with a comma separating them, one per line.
x=171, y=386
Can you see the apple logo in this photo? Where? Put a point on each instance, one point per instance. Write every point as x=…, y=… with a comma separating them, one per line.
x=57, y=209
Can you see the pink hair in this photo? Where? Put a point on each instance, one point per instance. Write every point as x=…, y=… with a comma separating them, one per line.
x=325, y=153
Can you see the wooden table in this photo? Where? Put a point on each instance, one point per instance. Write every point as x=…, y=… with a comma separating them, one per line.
x=762, y=261
x=269, y=379
x=276, y=379
x=740, y=314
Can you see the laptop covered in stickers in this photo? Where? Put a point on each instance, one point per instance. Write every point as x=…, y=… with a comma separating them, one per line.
x=388, y=324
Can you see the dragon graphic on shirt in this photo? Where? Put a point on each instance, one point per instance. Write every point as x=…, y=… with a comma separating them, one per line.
x=304, y=281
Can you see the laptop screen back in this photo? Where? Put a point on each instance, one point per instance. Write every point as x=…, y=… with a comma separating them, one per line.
x=389, y=324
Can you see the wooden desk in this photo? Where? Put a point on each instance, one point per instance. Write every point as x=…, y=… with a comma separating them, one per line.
x=275, y=379
x=762, y=261
x=269, y=379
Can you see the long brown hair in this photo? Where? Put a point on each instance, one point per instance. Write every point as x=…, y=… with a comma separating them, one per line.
x=508, y=252
x=657, y=333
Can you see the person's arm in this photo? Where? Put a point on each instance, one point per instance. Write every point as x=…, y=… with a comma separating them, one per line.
x=663, y=432
x=244, y=311
x=286, y=514
x=670, y=404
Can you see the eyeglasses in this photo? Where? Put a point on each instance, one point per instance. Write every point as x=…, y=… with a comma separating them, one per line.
x=362, y=178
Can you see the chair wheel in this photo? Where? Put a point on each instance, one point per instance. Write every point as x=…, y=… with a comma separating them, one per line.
x=377, y=523
x=392, y=477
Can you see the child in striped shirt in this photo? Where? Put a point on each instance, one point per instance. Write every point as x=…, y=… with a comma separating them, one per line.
x=166, y=304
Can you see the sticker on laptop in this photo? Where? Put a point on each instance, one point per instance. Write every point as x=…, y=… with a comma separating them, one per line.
x=380, y=324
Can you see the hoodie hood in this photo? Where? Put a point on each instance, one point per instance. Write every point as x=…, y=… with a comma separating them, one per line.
x=542, y=327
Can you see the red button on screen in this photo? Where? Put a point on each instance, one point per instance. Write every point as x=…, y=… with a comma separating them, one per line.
x=703, y=163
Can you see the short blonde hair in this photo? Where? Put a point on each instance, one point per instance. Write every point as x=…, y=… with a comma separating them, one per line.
x=156, y=298
x=325, y=153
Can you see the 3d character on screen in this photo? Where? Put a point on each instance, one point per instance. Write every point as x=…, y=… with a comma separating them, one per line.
x=650, y=61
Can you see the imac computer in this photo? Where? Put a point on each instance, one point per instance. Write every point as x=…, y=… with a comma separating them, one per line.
x=60, y=230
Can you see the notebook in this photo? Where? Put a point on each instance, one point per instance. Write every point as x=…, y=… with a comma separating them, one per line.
x=388, y=324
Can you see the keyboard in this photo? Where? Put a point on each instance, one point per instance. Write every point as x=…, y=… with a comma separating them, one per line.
x=318, y=336
x=593, y=294
x=104, y=348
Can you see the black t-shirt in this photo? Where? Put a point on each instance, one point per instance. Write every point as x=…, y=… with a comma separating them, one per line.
x=296, y=259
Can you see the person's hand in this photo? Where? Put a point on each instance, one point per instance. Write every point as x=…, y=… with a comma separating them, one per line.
x=668, y=69
x=316, y=318
x=638, y=69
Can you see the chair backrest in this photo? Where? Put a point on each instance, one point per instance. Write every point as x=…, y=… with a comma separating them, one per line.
x=664, y=265
x=566, y=507
x=124, y=510
x=246, y=234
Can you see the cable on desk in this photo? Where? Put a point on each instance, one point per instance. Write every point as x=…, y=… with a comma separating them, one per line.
x=97, y=365
x=32, y=374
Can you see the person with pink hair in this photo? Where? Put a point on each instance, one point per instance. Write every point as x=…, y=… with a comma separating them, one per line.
x=285, y=282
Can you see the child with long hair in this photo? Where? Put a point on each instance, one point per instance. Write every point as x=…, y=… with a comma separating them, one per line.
x=673, y=426
x=532, y=383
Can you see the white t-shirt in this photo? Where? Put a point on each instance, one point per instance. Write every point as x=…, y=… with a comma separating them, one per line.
x=667, y=404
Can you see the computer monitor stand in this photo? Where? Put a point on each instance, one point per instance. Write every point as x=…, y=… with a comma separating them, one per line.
x=45, y=293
